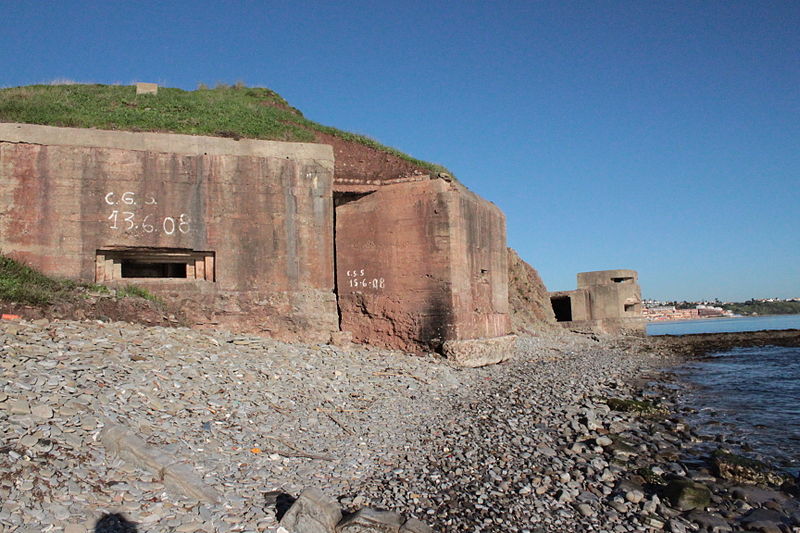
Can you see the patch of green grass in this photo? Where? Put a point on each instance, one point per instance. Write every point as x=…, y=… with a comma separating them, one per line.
x=22, y=284
x=132, y=291
x=226, y=111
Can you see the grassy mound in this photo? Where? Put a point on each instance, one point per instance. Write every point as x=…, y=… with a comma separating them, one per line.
x=225, y=111
x=22, y=284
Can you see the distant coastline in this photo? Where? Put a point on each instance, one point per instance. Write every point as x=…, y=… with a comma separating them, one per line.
x=724, y=325
x=656, y=311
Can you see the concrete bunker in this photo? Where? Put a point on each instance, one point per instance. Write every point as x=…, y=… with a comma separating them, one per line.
x=606, y=301
x=420, y=263
x=257, y=236
x=241, y=231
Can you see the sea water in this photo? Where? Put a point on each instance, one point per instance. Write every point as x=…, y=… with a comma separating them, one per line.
x=750, y=393
x=723, y=325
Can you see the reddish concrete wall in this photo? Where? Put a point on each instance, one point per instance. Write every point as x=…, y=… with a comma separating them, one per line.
x=264, y=209
x=421, y=263
x=479, y=266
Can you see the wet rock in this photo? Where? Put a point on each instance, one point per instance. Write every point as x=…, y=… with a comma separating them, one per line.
x=685, y=495
x=746, y=471
x=713, y=523
x=757, y=495
x=765, y=521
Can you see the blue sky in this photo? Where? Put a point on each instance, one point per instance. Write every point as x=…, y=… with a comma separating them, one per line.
x=658, y=136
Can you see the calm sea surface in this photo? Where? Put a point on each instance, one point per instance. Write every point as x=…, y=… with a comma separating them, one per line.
x=724, y=325
x=750, y=393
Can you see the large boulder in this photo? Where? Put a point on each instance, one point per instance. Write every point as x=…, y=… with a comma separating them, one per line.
x=313, y=512
x=746, y=471
x=473, y=353
x=686, y=495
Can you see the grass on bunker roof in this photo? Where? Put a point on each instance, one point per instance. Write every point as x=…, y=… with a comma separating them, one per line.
x=224, y=111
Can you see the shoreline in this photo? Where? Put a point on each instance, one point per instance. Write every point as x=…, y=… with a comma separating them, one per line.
x=698, y=345
x=528, y=445
x=603, y=468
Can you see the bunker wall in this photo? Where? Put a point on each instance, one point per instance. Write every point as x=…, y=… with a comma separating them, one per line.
x=479, y=266
x=393, y=274
x=241, y=230
x=606, y=277
x=421, y=263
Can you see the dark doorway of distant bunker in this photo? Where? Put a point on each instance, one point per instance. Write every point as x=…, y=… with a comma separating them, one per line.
x=562, y=307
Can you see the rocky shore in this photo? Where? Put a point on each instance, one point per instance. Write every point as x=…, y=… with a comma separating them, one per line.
x=181, y=430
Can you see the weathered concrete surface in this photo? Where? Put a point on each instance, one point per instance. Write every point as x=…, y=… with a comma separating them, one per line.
x=261, y=211
x=128, y=446
x=529, y=302
x=420, y=263
x=606, y=301
x=474, y=353
x=146, y=88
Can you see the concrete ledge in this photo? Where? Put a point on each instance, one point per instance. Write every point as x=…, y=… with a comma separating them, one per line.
x=473, y=353
x=162, y=142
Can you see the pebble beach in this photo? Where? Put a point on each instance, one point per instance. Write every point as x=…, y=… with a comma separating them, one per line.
x=543, y=442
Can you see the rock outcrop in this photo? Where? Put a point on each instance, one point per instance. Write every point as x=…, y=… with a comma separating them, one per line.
x=528, y=299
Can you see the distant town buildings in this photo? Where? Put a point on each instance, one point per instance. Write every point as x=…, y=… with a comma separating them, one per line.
x=670, y=312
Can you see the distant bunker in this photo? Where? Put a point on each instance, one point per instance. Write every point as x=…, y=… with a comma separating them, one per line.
x=606, y=301
x=257, y=236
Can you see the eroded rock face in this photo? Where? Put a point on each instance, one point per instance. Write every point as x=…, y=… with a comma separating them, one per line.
x=528, y=299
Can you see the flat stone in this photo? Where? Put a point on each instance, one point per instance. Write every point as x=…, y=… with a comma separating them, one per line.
x=757, y=495
x=29, y=441
x=765, y=521
x=604, y=441
x=412, y=525
x=371, y=520
x=44, y=412
x=585, y=509
x=312, y=512
x=475, y=353
x=711, y=522
x=19, y=407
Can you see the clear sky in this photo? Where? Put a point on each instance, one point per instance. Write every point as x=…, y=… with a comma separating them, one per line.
x=658, y=136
